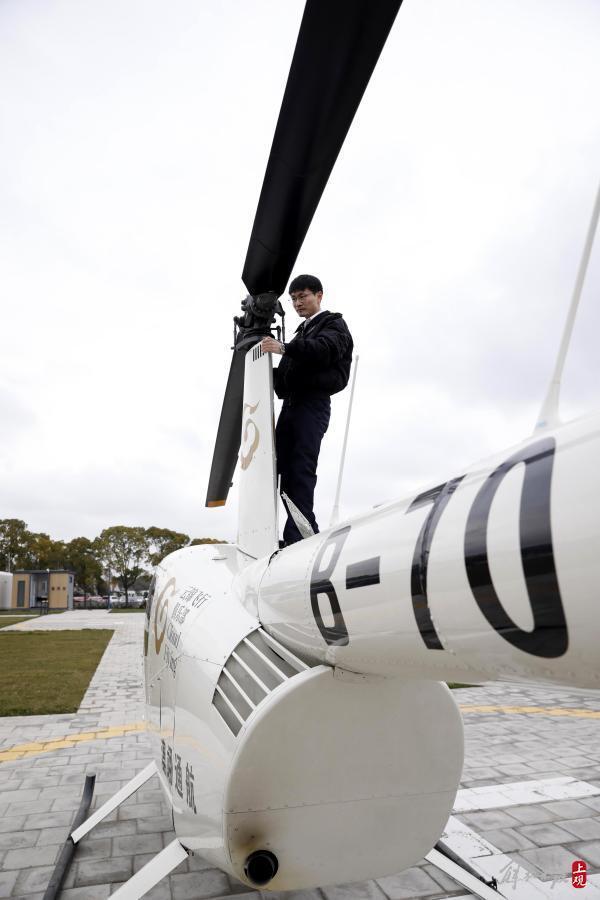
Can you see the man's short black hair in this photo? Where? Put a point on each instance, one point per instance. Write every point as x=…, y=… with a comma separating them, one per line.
x=306, y=283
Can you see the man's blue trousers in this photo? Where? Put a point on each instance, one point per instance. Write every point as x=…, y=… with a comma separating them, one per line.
x=298, y=435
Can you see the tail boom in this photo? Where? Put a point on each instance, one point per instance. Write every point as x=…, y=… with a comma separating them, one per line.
x=492, y=575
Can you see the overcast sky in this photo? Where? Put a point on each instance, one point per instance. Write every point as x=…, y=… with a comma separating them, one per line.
x=134, y=136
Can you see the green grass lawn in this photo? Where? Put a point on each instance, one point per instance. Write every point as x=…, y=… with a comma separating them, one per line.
x=5, y=621
x=29, y=611
x=48, y=671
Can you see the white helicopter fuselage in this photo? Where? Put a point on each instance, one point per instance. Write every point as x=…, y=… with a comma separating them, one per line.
x=295, y=697
x=492, y=575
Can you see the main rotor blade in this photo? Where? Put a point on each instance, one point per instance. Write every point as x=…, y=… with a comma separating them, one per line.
x=229, y=434
x=338, y=46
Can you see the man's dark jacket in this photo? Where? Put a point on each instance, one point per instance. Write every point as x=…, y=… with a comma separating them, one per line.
x=317, y=361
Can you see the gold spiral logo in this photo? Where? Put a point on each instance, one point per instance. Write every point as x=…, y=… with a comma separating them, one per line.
x=250, y=433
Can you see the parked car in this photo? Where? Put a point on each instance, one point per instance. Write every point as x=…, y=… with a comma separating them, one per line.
x=118, y=601
x=92, y=601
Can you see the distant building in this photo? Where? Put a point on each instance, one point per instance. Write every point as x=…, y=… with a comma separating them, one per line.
x=5, y=589
x=34, y=587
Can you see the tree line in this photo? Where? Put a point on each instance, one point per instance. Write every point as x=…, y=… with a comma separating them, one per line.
x=120, y=552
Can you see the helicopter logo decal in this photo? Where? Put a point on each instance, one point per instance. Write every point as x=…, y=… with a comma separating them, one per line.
x=160, y=612
x=246, y=458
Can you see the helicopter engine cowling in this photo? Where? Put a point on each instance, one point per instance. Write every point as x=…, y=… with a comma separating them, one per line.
x=289, y=776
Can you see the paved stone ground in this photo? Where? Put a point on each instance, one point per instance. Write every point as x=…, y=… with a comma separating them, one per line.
x=40, y=788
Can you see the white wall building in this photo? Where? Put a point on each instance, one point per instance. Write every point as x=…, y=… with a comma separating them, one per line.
x=5, y=589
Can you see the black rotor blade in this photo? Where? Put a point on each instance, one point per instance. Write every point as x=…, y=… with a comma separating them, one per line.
x=228, y=440
x=338, y=46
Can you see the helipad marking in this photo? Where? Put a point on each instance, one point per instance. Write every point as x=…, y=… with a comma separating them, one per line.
x=517, y=793
x=534, y=710
x=35, y=748
x=514, y=881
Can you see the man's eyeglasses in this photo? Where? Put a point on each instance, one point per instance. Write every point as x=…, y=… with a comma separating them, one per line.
x=298, y=297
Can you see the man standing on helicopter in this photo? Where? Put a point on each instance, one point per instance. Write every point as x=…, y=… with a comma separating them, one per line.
x=314, y=365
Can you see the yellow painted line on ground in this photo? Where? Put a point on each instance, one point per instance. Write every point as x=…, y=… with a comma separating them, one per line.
x=35, y=748
x=535, y=710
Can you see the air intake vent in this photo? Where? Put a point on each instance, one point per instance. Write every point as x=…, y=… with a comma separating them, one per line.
x=257, y=666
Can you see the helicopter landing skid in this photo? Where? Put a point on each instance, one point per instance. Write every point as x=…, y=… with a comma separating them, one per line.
x=158, y=868
x=130, y=788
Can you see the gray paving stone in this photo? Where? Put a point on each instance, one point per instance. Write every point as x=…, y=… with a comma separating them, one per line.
x=160, y=891
x=410, y=883
x=21, y=859
x=137, y=843
x=587, y=829
x=546, y=833
x=40, y=781
x=591, y=802
x=19, y=796
x=114, y=829
x=252, y=895
x=66, y=804
x=531, y=815
x=493, y=818
x=56, y=835
x=16, y=839
x=92, y=847
x=156, y=795
x=30, y=806
x=11, y=823
x=30, y=881
x=236, y=888
x=444, y=881
x=160, y=823
x=197, y=885
x=549, y=860
x=38, y=896
x=280, y=895
x=572, y=762
x=108, y=788
x=199, y=864
x=590, y=851
x=48, y=820
x=515, y=769
x=62, y=791
x=141, y=810
x=103, y=871
x=363, y=890
x=7, y=882
x=94, y=892
x=567, y=809
x=507, y=839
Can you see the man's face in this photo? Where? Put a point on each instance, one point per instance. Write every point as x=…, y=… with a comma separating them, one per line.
x=306, y=303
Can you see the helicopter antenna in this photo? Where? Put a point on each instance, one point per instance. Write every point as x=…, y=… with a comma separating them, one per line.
x=549, y=411
x=335, y=514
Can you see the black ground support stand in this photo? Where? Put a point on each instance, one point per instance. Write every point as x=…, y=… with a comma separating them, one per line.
x=66, y=854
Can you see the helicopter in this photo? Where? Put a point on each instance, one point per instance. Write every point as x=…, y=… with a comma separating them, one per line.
x=297, y=709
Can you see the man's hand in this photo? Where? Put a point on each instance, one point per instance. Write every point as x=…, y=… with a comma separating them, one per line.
x=270, y=345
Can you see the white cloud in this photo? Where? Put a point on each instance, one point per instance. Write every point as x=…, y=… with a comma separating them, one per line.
x=135, y=139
